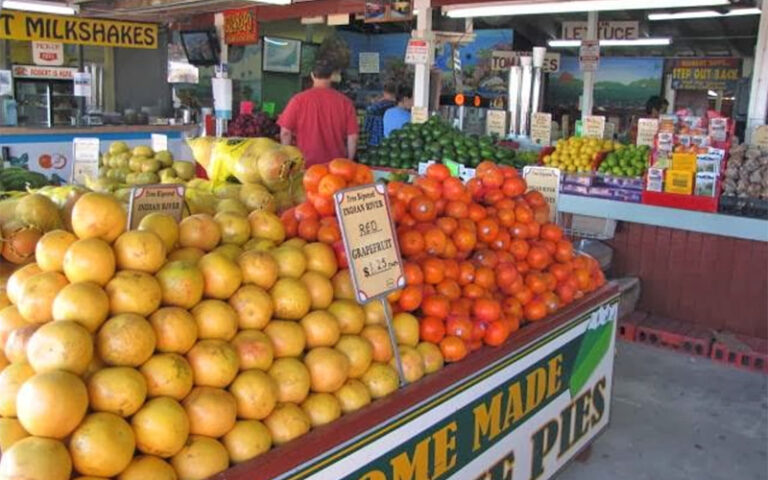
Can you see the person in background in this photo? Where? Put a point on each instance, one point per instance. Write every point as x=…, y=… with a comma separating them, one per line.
x=656, y=106
x=374, y=114
x=400, y=114
x=321, y=120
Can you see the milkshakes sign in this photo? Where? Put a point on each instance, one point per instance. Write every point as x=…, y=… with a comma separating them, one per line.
x=521, y=418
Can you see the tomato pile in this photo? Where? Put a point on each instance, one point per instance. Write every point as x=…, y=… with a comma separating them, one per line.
x=480, y=258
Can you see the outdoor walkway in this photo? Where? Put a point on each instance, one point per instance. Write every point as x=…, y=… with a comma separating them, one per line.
x=680, y=418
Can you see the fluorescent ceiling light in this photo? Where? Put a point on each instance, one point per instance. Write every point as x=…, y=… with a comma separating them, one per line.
x=534, y=8
x=711, y=93
x=42, y=7
x=639, y=42
x=738, y=12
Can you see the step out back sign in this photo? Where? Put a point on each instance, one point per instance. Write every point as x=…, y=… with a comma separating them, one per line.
x=521, y=418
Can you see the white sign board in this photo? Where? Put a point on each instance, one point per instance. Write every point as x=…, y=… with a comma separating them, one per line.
x=541, y=128
x=85, y=152
x=159, y=142
x=501, y=60
x=646, y=131
x=589, y=55
x=47, y=53
x=547, y=181
x=83, y=84
x=368, y=62
x=606, y=30
x=417, y=52
x=50, y=73
x=496, y=123
x=594, y=127
x=419, y=114
x=6, y=82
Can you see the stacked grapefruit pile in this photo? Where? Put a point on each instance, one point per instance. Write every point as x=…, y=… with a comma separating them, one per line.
x=175, y=350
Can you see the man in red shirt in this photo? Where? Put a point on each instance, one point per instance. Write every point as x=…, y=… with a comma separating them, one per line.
x=322, y=120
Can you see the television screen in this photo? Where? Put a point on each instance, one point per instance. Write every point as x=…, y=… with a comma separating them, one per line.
x=201, y=47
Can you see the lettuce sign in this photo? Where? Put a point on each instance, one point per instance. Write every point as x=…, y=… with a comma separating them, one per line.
x=522, y=418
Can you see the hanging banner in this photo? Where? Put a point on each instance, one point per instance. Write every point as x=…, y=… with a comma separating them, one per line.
x=501, y=60
x=48, y=53
x=606, y=30
x=26, y=26
x=240, y=27
x=704, y=73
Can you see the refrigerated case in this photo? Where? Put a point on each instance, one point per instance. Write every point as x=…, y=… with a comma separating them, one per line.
x=45, y=95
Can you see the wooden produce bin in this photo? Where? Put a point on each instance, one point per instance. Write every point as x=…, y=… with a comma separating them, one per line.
x=522, y=410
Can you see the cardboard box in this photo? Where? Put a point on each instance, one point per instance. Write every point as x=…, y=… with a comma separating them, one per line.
x=684, y=161
x=679, y=181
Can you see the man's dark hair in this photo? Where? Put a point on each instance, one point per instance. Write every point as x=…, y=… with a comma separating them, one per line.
x=390, y=87
x=404, y=91
x=323, y=69
x=655, y=103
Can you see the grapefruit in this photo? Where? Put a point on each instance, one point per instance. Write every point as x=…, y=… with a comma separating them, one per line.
x=182, y=283
x=253, y=306
x=358, y=351
x=232, y=205
x=292, y=379
x=50, y=250
x=431, y=356
x=374, y=313
x=290, y=298
x=11, y=379
x=321, y=259
x=64, y=345
x=162, y=225
x=98, y=215
x=169, y=375
x=139, y=250
x=214, y=363
x=353, y=395
x=259, y=245
x=148, y=467
x=287, y=422
x=406, y=329
x=17, y=279
x=229, y=250
x=321, y=408
x=378, y=337
x=246, y=440
x=291, y=261
x=320, y=289
x=118, y=390
x=211, y=411
x=350, y=315
x=199, y=231
x=133, y=292
x=215, y=319
x=342, y=285
x=288, y=338
x=259, y=268
x=267, y=226
x=235, y=228
x=51, y=404
x=201, y=457
x=380, y=379
x=254, y=350
x=413, y=364
x=10, y=320
x=125, y=340
x=175, y=330
x=37, y=295
x=297, y=242
x=187, y=254
x=321, y=329
x=89, y=260
x=102, y=445
x=16, y=345
x=35, y=458
x=255, y=393
x=161, y=427
x=11, y=432
x=328, y=369
x=222, y=276
x=83, y=302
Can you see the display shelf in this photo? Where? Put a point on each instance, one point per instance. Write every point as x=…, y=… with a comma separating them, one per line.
x=711, y=223
x=378, y=436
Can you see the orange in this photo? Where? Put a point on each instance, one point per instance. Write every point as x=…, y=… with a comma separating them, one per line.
x=161, y=427
x=287, y=422
x=433, y=269
x=255, y=394
x=312, y=177
x=98, y=215
x=36, y=458
x=199, y=231
x=37, y=295
x=50, y=249
x=139, y=250
x=182, y=284
x=246, y=440
x=200, y=457
x=453, y=348
x=343, y=167
x=51, y=404
x=436, y=306
x=211, y=411
x=168, y=374
x=102, y=445
x=214, y=363
x=328, y=369
x=118, y=390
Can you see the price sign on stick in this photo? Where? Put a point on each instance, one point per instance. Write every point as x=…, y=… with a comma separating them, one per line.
x=371, y=246
x=547, y=181
x=159, y=142
x=85, y=154
x=146, y=199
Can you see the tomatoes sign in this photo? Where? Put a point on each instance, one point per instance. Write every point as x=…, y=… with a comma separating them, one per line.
x=240, y=27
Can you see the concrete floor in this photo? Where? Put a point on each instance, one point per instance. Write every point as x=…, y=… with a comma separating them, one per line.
x=680, y=418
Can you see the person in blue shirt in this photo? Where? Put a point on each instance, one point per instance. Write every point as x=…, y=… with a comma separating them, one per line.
x=399, y=115
x=374, y=114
